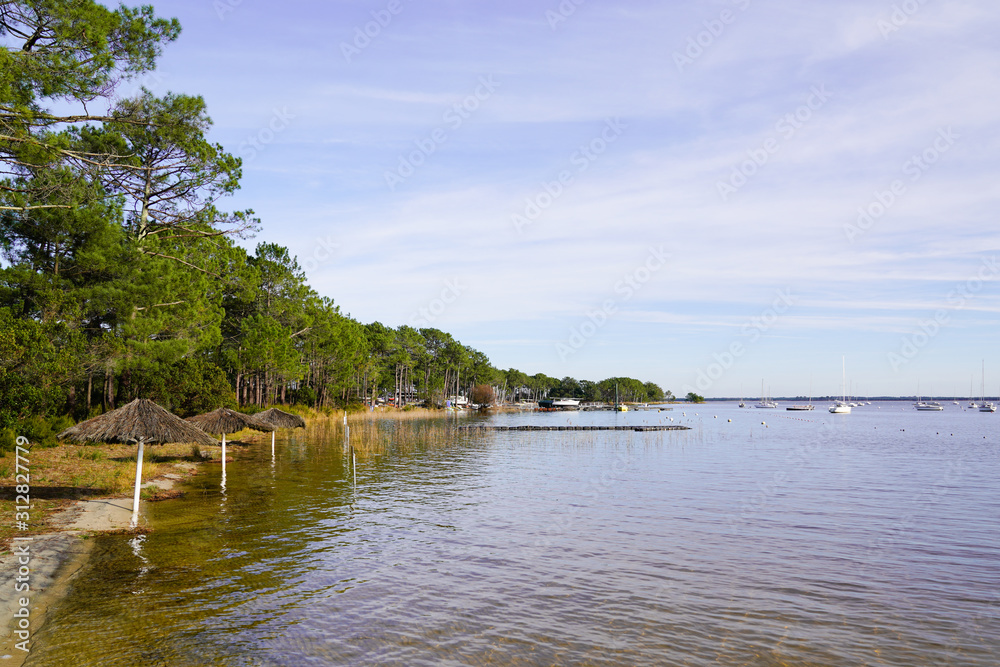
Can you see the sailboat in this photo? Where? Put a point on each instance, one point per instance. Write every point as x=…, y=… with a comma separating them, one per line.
x=927, y=406
x=984, y=406
x=765, y=401
x=841, y=407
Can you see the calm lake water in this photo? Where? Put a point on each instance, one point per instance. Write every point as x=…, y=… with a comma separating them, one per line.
x=863, y=539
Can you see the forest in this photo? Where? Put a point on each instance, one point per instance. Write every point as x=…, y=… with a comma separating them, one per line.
x=122, y=276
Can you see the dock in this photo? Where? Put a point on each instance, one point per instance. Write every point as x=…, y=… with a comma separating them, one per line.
x=638, y=428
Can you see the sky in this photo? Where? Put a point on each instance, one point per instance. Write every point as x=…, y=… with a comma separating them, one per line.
x=709, y=195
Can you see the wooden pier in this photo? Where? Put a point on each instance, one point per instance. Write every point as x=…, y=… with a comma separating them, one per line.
x=639, y=428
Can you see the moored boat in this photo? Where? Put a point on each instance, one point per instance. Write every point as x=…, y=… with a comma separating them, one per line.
x=842, y=407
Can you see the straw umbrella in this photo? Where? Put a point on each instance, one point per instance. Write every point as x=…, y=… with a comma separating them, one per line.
x=140, y=421
x=280, y=419
x=226, y=421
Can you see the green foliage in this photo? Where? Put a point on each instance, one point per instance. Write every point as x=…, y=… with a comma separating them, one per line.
x=304, y=396
x=41, y=431
x=694, y=398
x=8, y=441
x=187, y=387
x=67, y=52
x=37, y=363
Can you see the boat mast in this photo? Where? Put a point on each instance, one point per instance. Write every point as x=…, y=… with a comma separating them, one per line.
x=843, y=380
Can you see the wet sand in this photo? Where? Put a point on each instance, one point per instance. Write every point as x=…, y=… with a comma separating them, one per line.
x=55, y=558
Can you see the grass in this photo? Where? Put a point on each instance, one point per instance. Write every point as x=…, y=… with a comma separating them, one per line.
x=61, y=475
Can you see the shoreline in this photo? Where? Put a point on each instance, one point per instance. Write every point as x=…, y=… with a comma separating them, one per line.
x=57, y=556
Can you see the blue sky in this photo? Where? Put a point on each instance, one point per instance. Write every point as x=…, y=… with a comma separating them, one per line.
x=670, y=191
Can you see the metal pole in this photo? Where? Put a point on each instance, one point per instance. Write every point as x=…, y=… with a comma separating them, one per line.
x=138, y=480
x=272, y=445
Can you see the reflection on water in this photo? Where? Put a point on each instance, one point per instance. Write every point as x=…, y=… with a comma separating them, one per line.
x=815, y=540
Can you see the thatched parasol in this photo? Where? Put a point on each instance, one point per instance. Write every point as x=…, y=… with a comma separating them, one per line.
x=280, y=419
x=140, y=421
x=226, y=421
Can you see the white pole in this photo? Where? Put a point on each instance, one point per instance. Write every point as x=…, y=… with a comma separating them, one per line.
x=354, y=468
x=138, y=480
x=272, y=445
x=223, y=461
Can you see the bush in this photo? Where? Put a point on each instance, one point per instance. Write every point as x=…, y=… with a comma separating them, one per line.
x=42, y=431
x=482, y=394
x=304, y=396
x=188, y=387
x=8, y=440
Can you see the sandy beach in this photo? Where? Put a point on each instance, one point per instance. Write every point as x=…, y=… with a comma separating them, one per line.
x=56, y=557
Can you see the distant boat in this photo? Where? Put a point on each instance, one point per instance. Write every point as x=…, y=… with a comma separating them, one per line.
x=765, y=401
x=984, y=406
x=926, y=406
x=807, y=406
x=841, y=407
x=560, y=404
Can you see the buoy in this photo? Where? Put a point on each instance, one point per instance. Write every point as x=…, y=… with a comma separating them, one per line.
x=763, y=423
x=715, y=416
x=730, y=421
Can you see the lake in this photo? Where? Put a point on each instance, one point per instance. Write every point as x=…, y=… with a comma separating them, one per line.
x=816, y=539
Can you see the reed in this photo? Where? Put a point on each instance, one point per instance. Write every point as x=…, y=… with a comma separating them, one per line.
x=396, y=414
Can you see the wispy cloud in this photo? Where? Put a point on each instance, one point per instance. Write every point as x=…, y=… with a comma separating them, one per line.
x=890, y=94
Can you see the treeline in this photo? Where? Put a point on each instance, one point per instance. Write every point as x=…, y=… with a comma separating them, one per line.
x=122, y=278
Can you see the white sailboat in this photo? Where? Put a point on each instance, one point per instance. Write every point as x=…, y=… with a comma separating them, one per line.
x=841, y=407
x=926, y=406
x=984, y=406
x=765, y=401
